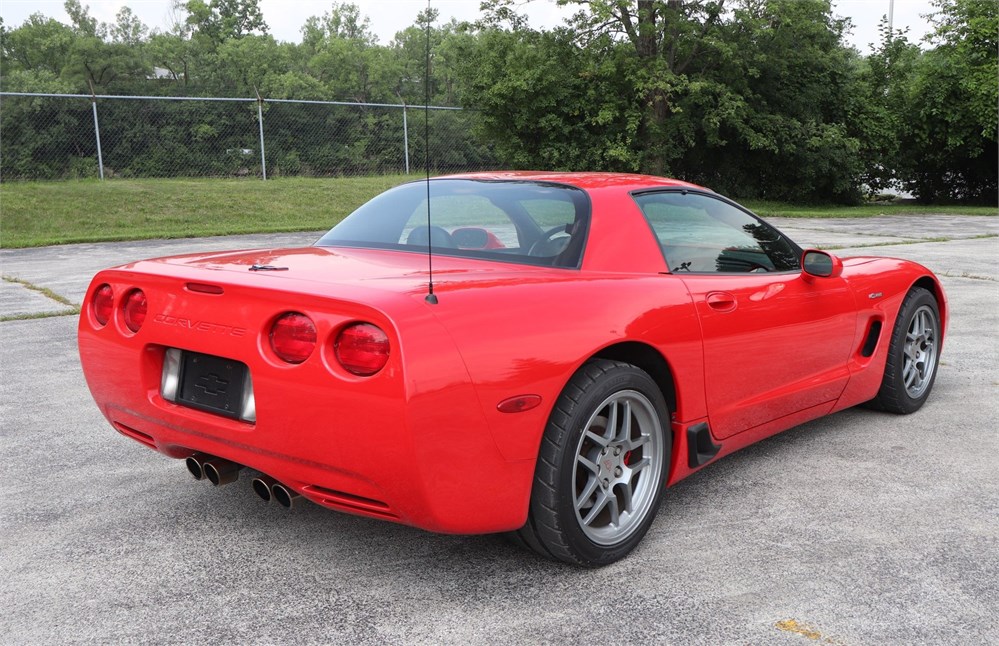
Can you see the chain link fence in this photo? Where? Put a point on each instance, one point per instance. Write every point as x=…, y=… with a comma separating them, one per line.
x=72, y=136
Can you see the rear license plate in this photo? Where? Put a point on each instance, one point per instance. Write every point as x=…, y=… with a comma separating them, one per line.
x=212, y=384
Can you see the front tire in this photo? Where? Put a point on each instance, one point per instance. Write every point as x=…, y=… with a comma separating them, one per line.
x=913, y=355
x=601, y=468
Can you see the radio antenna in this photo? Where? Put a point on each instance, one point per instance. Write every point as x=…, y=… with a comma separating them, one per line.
x=431, y=297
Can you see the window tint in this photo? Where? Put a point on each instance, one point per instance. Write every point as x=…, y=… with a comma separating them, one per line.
x=703, y=234
x=529, y=222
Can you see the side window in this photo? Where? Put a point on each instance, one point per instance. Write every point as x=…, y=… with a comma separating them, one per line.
x=702, y=234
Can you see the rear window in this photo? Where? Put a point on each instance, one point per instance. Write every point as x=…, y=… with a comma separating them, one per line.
x=533, y=223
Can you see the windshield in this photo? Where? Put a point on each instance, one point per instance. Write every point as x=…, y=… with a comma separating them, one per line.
x=533, y=223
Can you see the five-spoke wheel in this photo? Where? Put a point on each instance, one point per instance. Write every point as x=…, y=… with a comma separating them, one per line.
x=617, y=471
x=913, y=354
x=602, y=466
x=920, y=352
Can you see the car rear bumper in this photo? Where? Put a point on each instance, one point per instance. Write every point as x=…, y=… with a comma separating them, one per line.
x=409, y=444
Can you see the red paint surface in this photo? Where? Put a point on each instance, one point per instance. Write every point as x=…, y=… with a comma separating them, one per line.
x=424, y=441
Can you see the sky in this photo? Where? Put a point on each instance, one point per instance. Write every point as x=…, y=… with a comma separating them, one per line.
x=286, y=17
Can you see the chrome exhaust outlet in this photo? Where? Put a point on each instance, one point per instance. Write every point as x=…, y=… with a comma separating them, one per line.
x=195, y=464
x=262, y=487
x=221, y=472
x=284, y=495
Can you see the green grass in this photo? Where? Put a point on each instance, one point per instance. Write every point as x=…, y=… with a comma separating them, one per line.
x=43, y=213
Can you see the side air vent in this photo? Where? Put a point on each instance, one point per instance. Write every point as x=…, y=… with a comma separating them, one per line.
x=871, y=342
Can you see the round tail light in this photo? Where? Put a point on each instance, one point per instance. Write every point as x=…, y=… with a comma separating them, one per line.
x=134, y=309
x=362, y=349
x=102, y=304
x=293, y=337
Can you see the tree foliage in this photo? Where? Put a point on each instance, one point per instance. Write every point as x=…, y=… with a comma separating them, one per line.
x=221, y=20
x=948, y=147
x=751, y=101
x=756, y=98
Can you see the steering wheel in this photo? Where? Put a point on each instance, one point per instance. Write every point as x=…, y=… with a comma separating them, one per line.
x=546, y=246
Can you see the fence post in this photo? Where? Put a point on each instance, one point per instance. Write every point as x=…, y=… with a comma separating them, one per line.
x=97, y=133
x=405, y=135
x=260, y=122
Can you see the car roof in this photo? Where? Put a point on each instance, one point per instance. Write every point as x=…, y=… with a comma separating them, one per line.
x=585, y=181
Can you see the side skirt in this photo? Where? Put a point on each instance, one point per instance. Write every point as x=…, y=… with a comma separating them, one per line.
x=700, y=448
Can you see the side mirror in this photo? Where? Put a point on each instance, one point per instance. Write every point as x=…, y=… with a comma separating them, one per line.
x=820, y=264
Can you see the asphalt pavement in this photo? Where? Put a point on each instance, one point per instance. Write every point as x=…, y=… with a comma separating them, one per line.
x=860, y=528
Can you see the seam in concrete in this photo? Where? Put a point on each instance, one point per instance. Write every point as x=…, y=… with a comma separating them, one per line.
x=853, y=233
x=910, y=241
x=964, y=274
x=73, y=308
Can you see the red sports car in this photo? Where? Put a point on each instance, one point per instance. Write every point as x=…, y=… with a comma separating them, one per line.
x=533, y=353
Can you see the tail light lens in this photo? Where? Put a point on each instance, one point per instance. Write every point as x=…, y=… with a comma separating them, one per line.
x=134, y=309
x=362, y=349
x=102, y=304
x=293, y=337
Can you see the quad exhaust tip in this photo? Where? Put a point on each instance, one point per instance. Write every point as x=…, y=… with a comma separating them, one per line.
x=268, y=489
x=222, y=472
x=216, y=470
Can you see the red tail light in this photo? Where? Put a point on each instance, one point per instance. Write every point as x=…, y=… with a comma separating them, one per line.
x=102, y=304
x=293, y=337
x=134, y=309
x=362, y=349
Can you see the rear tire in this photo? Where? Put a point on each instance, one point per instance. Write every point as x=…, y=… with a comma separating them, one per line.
x=913, y=355
x=601, y=468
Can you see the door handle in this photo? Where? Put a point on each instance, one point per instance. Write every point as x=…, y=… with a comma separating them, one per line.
x=721, y=301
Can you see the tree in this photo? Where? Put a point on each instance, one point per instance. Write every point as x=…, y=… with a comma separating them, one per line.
x=40, y=44
x=548, y=103
x=879, y=106
x=83, y=23
x=128, y=29
x=754, y=101
x=95, y=61
x=768, y=113
x=174, y=53
x=668, y=37
x=343, y=21
x=949, y=148
x=242, y=64
x=342, y=53
x=220, y=20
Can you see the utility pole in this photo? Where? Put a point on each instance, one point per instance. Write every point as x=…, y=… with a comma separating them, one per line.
x=891, y=14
